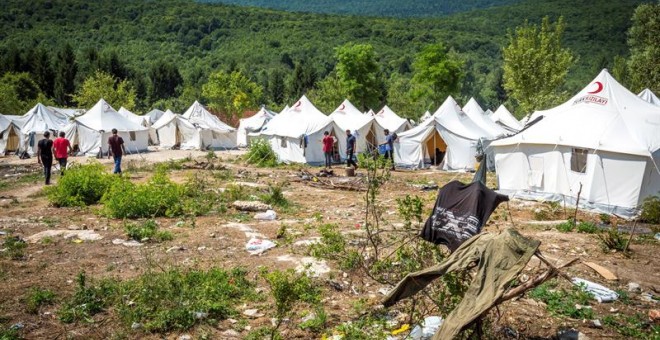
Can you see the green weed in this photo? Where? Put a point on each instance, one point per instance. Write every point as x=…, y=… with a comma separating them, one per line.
x=566, y=227
x=612, y=239
x=548, y=211
x=318, y=323
x=563, y=302
x=147, y=230
x=83, y=185
x=261, y=154
x=275, y=196
x=632, y=326
x=587, y=227
x=14, y=247
x=651, y=210
x=37, y=298
x=87, y=300
x=333, y=246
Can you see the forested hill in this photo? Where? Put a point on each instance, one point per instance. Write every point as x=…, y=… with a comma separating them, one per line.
x=199, y=38
x=378, y=8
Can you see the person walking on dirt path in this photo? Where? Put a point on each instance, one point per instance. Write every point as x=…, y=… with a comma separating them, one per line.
x=45, y=155
x=62, y=149
x=328, y=143
x=116, y=145
x=389, y=146
x=350, y=149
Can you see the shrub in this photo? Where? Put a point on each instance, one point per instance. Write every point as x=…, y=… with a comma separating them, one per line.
x=613, y=240
x=567, y=226
x=563, y=302
x=87, y=301
x=83, y=185
x=587, y=227
x=651, y=210
x=38, y=297
x=275, y=196
x=261, y=154
x=147, y=230
x=333, y=246
x=14, y=247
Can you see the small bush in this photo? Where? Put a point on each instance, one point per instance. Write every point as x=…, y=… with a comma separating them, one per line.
x=566, y=227
x=275, y=196
x=318, y=323
x=586, y=227
x=14, y=247
x=613, y=240
x=651, y=210
x=261, y=154
x=38, y=297
x=83, y=185
x=563, y=302
x=333, y=246
x=289, y=288
x=147, y=230
x=87, y=301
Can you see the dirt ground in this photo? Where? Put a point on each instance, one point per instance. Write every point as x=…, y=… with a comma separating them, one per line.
x=219, y=240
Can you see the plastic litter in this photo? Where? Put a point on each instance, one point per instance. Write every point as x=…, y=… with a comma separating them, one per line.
x=401, y=329
x=256, y=246
x=600, y=292
x=427, y=329
x=269, y=215
x=657, y=236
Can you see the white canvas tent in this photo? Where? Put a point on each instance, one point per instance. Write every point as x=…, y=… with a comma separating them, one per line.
x=66, y=112
x=215, y=134
x=176, y=132
x=296, y=134
x=90, y=131
x=450, y=131
x=364, y=127
x=35, y=122
x=10, y=135
x=425, y=116
x=252, y=124
x=141, y=120
x=473, y=110
x=505, y=119
x=154, y=115
x=605, y=141
x=388, y=119
x=649, y=96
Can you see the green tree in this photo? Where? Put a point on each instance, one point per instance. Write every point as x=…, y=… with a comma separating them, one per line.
x=65, y=75
x=231, y=93
x=536, y=64
x=165, y=78
x=277, y=87
x=644, y=42
x=102, y=85
x=43, y=72
x=19, y=93
x=399, y=96
x=359, y=74
x=303, y=79
x=328, y=94
x=436, y=74
x=620, y=70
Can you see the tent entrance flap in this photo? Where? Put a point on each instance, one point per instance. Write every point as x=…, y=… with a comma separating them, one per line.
x=372, y=144
x=13, y=140
x=435, y=149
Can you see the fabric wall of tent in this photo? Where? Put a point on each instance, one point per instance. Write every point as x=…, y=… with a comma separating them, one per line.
x=35, y=122
x=176, y=132
x=605, y=140
x=348, y=117
x=141, y=120
x=505, y=119
x=252, y=124
x=214, y=133
x=296, y=134
x=648, y=96
x=154, y=115
x=473, y=110
x=90, y=131
x=449, y=139
x=10, y=136
x=388, y=119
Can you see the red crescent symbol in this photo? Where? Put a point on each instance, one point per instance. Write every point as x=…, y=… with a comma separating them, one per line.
x=342, y=107
x=298, y=104
x=600, y=88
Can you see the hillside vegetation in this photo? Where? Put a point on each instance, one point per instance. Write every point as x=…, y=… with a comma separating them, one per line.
x=198, y=38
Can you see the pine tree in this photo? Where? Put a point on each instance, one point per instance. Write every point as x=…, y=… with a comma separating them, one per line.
x=65, y=75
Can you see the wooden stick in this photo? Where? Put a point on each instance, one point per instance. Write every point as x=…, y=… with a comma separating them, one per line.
x=632, y=233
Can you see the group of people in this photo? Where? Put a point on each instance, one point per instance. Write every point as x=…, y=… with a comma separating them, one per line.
x=60, y=149
x=329, y=142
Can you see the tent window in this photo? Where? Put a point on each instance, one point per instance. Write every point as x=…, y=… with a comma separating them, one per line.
x=131, y=135
x=283, y=142
x=579, y=160
x=215, y=135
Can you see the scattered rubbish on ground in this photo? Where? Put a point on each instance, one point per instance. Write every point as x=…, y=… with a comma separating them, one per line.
x=340, y=183
x=253, y=313
x=309, y=265
x=426, y=187
x=634, y=287
x=604, y=272
x=326, y=173
x=427, y=328
x=84, y=235
x=256, y=246
x=599, y=292
x=269, y=215
x=251, y=206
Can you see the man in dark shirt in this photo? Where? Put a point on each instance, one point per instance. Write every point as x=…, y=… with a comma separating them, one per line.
x=116, y=150
x=350, y=149
x=389, y=142
x=45, y=155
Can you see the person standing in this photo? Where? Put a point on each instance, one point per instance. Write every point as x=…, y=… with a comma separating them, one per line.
x=350, y=149
x=116, y=150
x=328, y=143
x=389, y=146
x=62, y=148
x=45, y=155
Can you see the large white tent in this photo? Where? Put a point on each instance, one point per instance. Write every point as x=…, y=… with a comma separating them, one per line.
x=296, y=134
x=141, y=120
x=505, y=119
x=450, y=131
x=603, y=143
x=425, y=116
x=90, y=131
x=176, y=132
x=154, y=115
x=473, y=110
x=364, y=127
x=252, y=124
x=215, y=134
x=388, y=119
x=10, y=135
x=35, y=122
x=649, y=96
